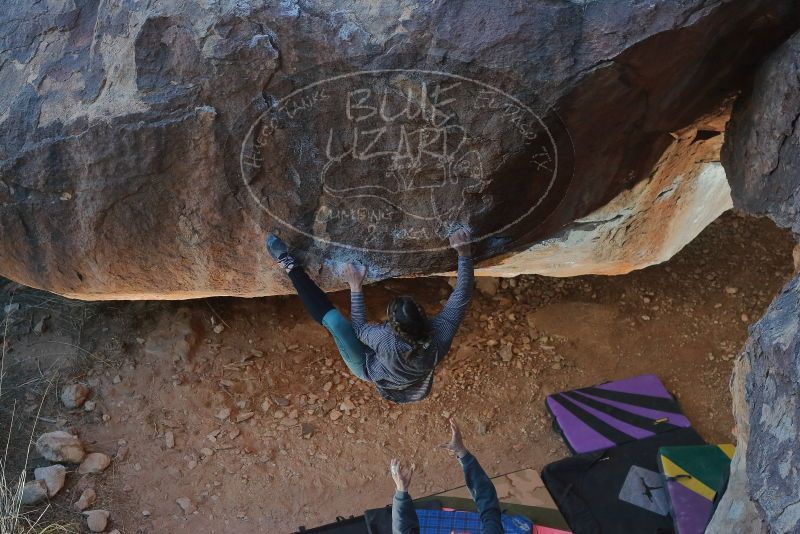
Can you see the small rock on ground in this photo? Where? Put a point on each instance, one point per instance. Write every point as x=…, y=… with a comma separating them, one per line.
x=94, y=463
x=53, y=476
x=87, y=498
x=487, y=285
x=74, y=395
x=307, y=430
x=97, y=520
x=244, y=416
x=186, y=505
x=38, y=328
x=34, y=491
x=60, y=446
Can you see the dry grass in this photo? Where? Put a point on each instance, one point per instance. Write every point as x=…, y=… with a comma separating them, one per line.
x=14, y=517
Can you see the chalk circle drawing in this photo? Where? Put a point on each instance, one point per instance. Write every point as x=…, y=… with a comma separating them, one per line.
x=392, y=160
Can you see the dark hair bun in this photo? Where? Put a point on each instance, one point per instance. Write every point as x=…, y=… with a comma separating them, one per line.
x=408, y=318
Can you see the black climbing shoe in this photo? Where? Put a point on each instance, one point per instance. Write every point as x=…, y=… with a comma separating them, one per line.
x=280, y=252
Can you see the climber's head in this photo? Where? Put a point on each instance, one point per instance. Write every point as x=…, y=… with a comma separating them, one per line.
x=408, y=319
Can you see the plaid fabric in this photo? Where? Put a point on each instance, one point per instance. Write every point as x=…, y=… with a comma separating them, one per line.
x=385, y=346
x=442, y=522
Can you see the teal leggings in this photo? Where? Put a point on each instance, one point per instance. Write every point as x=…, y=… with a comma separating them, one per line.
x=320, y=307
x=352, y=350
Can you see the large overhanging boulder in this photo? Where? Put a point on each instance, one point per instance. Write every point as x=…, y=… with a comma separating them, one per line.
x=146, y=147
x=762, y=158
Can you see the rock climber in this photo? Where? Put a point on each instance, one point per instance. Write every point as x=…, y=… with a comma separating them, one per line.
x=399, y=356
x=404, y=517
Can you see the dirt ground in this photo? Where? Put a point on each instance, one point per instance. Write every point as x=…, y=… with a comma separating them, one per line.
x=271, y=432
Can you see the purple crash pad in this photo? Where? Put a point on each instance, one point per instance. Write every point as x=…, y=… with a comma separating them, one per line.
x=609, y=414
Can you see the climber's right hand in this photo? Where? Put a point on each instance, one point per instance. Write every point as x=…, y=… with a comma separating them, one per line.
x=460, y=241
x=354, y=276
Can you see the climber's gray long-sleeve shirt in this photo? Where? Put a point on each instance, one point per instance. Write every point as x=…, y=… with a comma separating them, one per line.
x=385, y=346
